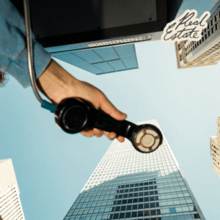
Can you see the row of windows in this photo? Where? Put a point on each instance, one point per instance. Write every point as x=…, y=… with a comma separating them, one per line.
x=120, y=180
x=145, y=199
x=104, y=189
x=138, y=215
x=139, y=162
x=129, y=178
x=160, y=188
x=139, y=207
x=147, y=205
x=171, y=175
x=176, y=217
x=163, y=194
x=141, y=159
x=130, y=166
x=132, y=169
x=160, y=179
x=126, y=193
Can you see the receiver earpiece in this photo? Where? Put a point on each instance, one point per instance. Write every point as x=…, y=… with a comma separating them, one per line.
x=74, y=115
x=146, y=138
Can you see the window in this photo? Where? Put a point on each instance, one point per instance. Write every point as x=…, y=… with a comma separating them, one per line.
x=80, y=212
x=128, y=214
x=172, y=210
x=140, y=213
x=196, y=216
x=101, y=210
x=123, y=208
x=104, y=217
x=146, y=213
x=90, y=211
x=134, y=207
x=134, y=214
x=128, y=208
x=188, y=217
x=117, y=208
x=85, y=211
x=122, y=215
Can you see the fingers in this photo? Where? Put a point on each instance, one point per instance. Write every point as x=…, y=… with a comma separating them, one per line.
x=91, y=133
x=87, y=133
x=110, y=135
x=97, y=132
x=121, y=139
x=110, y=109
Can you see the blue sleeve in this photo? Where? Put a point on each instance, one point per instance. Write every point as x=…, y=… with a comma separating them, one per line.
x=13, y=51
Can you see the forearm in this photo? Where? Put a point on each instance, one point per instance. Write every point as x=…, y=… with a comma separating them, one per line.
x=56, y=83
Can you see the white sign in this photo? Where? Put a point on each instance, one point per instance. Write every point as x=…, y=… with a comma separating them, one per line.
x=186, y=27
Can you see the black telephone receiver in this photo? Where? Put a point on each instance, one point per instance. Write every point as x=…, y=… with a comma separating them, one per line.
x=74, y=115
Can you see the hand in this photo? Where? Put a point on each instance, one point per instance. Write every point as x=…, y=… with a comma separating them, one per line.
x=99, y=100
x=57, y=84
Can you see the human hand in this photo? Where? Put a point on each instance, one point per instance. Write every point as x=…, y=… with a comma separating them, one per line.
x=57, y=84
x=90, y=93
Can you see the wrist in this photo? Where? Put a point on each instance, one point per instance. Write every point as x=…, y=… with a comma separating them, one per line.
x=56, y=83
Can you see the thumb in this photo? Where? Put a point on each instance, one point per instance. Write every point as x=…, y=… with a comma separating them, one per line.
x=111, y=110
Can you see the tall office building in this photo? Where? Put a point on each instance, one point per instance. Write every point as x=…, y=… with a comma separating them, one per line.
x=215, y=149
x=206, y=51
x=10, y=204
x=130, y=185
x=101, y=60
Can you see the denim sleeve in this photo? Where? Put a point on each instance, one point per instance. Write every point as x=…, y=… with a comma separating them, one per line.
x=13, y=50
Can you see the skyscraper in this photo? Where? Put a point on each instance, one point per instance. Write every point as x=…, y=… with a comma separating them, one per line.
x=206, y=51
x=101, y=60
x=215, y=149
x=130, y=185
x=10, y=204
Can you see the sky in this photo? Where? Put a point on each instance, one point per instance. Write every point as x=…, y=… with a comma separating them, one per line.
x=52, y=167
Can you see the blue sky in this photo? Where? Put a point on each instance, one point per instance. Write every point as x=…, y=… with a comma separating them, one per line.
x=52, y=166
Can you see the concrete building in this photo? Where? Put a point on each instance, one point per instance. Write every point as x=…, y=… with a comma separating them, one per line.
x=10, y=204
x=204, y=52
x=215, y=149
x=127, y=184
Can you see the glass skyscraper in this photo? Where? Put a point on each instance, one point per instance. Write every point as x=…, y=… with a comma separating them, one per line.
x=130, y=185
x=101, y=60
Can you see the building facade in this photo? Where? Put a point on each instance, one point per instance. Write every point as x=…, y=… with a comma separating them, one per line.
x=215, y=149
x=130, y=185
x=101, y=60
x=206, y=51
x=10, y=204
